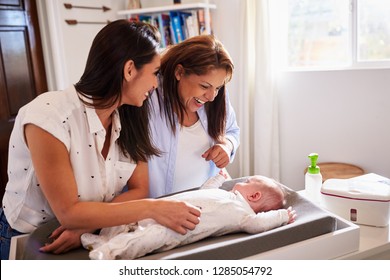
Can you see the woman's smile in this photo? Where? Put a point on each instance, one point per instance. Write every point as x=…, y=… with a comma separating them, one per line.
x=199, y=101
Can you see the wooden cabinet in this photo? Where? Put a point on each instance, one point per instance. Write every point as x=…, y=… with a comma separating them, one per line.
x=22, y=72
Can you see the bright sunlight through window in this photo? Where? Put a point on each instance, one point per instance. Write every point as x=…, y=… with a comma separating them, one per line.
x=338, y=33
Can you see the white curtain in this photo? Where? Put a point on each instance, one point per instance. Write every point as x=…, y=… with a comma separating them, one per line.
x=257, y=110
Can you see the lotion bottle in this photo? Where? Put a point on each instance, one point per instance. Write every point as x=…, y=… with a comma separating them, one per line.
x=313, y=180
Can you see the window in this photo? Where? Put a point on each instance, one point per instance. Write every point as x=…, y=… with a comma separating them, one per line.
x=338, y=34
x=373, y=30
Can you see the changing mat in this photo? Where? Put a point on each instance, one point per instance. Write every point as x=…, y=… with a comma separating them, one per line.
x=312, y=221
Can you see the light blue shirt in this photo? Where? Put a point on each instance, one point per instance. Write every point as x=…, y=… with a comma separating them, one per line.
x=162, y=169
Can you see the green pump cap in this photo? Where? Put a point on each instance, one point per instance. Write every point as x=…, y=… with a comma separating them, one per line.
x=313, y=168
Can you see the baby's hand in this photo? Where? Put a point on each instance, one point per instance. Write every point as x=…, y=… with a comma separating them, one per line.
x=223, y=173
x=292, y=215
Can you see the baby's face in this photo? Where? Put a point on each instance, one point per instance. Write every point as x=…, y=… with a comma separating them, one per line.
x=247, y=186
x=255, y=188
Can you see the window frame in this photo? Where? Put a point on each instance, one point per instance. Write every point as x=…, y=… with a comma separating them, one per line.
x=354, y=63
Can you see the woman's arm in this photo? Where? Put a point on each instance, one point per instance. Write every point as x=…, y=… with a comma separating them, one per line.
x=65, y=240
x=222, y=153
x=138, y=184
x=54, y=172
x=232, y=129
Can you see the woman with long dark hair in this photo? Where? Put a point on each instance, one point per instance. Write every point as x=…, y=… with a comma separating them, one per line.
x=72, y=151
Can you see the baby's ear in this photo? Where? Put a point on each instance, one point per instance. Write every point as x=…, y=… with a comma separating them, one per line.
x=255, y=196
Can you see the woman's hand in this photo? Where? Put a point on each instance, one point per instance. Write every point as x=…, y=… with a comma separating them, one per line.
x=176, y=215
x=219, y=153
x=63, y=240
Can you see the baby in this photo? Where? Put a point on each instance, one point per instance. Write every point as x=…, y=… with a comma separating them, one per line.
x=253, y=206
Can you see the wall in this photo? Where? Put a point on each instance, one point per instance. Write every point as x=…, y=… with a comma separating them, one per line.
x=66, y=46
x=344, y=116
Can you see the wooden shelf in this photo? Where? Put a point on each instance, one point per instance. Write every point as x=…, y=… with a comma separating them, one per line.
x=338, y=170
x=177, y=7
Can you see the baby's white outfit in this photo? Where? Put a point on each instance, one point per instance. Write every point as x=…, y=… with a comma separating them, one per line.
x=222, y=212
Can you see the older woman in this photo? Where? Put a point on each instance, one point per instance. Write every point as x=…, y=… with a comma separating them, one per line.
x=193, y=123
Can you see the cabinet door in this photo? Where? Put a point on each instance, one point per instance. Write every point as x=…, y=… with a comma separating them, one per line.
x=22, y=73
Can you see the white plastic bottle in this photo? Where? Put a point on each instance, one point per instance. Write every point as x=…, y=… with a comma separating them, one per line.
x=313, y=180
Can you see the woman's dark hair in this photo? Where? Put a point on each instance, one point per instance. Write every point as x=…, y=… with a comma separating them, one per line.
x=198, y=55
x=101, y=82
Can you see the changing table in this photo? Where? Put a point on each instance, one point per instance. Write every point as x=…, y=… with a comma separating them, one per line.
x=316, y=234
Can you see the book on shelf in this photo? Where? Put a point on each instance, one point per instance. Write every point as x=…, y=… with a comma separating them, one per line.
x=165, y=29
x=193, y=24
x=183, y=23
x=145, y=18
x=175, y=26
x=134, y=18
x=202, y=22
x=160, y=25
x=157, y=23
